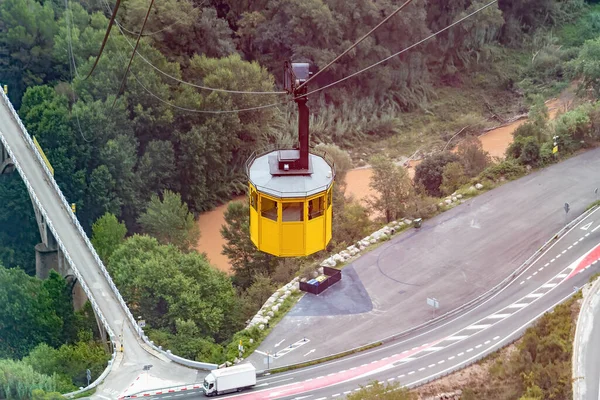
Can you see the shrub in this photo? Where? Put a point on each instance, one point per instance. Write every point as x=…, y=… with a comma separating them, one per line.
x=530, y=152
x=473, y=158
x=430, y=172
x=508, y=169
x=452, y=177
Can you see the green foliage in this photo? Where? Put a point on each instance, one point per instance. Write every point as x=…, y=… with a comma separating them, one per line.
x=107, y=234
x=507, y=169
x=170, y=221
x=393, y=186
x=472, y=156
x=247, y=262
x=69, y=362
x=453, y=177
x=28, y=314
x=540, y=366
x=26, y=40
x=19, y=233
x=530, y=152
x=162, y=284
x=187, y=342
x=585, y=28
x=587, y=66
x=341, y=159
x=18, y=380
x=390, y=391
x=255, y=296
x=350, y=220
x=573, y=127
x=429, y=173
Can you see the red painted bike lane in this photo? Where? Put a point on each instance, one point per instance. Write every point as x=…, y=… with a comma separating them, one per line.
x=586, y=261
x=330, y=380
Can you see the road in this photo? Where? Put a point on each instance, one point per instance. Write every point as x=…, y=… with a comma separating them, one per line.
x=130, y=363
x=448, y=345
x=454, y=257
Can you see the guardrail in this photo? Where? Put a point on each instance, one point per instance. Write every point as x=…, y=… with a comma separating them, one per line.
x=84, y=286
x=463, y=308
x=582, y=320
x=86, y=240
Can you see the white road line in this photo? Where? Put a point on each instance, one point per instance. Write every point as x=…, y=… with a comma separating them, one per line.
x=561, y=276
x=517, y=305
x=335, y=395
x=487, y=342
x=441, y=361
x=541, y=268
x=459, y=337
x=580, y=239
x=352, y=368
x=576, y=243
x=570, y=247
x=349, y=391
x=451, y=358
x=554, y=259
x=535, y=273
x=534, y=295
x=496, y=338
x=401, y=376
x=407, y=359
x=546, y=264
x=460, y=354
x=529, y=277
x=411, y=372
x=478, y=346
x=587, y=234
x=421, y=369
x=322, y=398
x=478, y=326
x=564, y=251
x=522, y=282
x=469, y=350
x=391, y=379
x=572, y=266
x=558, y=255
x=498, y=316
x=431, y=365
x=432, y=348
x=596, y=228
x=549, y=285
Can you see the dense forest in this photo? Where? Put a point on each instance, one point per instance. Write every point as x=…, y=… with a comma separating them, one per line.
x=141, y=164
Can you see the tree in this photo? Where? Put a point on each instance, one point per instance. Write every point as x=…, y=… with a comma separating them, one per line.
x=107, y=234
x=18, y=380
x=429, y=172
x=393, y=186
x=28, y=314
x=26, y=40
x=255, y=296
x=341, y=159
x=530, y=152
x=247, y=262
x=163, y=284
x=452, y=178
x=19, y=233
x=587, y=66
x=170, y=221
x=472, y=156
x=156, y=168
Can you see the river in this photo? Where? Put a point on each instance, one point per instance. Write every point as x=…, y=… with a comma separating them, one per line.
x=494, y=142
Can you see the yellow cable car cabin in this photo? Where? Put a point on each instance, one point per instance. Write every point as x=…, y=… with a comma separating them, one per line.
x=290, y=210
x=291, y=190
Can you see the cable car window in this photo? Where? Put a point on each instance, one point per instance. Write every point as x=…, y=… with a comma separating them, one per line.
x=293, y=212
x=316, y=207
x=268, y=208
x=253, y=199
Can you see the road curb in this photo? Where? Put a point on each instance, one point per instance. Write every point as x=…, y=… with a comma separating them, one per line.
x=582, y=319
x=465, y=307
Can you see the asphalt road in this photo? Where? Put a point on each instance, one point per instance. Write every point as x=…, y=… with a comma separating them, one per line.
x=454, y=257
x=130, y=363
x=451, y=344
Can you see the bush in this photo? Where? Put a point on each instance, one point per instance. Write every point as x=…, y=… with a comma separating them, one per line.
x=473, y=158
x=530, y=152
x=430, y=172
x=452, y=178
x=508, y=169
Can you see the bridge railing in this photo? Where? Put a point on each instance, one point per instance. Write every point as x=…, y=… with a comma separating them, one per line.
x=67, y=256
x=91, y=248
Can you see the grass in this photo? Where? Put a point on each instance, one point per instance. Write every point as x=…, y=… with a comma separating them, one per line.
x=87, y=393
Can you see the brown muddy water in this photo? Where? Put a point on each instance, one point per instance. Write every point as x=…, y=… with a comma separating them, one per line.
x=494, y=142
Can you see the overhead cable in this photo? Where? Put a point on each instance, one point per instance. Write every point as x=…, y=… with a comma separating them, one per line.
x=400, y=52
x=357, y=42
x=134, y=51
x=182, y=81
x=106, y=35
